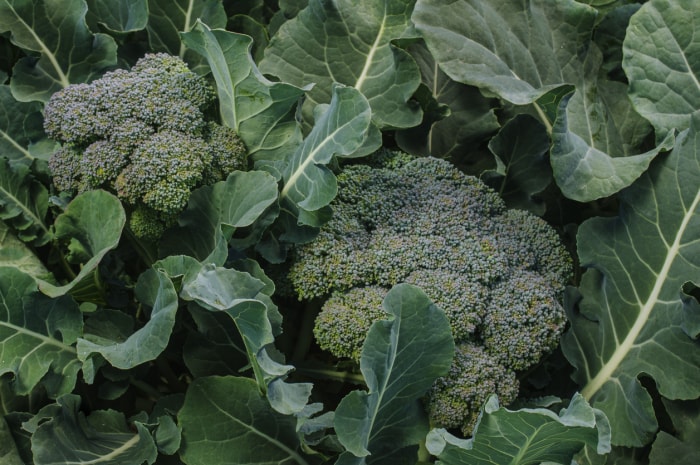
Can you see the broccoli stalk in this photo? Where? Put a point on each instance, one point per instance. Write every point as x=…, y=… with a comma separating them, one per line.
x=498, y=274
x=144, y=135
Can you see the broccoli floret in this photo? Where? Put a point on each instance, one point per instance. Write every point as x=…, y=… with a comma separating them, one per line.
x=143, y=134
x=454, y=400
x=498, y=274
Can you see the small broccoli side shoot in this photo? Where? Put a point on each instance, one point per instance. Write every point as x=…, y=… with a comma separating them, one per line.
x=498, y=274
x=144, y=135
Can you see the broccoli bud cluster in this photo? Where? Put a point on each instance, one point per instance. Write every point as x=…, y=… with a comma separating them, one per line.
x=497, y=273
x=144, y=135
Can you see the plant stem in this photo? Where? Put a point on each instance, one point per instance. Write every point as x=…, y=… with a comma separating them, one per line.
x=146, y=253
x=344, y=376
x=543, y=118
x=306, y=331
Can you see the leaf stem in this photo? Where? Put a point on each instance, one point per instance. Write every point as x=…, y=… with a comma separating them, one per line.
x=543, y=118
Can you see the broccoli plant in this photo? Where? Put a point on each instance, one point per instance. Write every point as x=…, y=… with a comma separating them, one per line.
x=143, y=134
x=497, y=273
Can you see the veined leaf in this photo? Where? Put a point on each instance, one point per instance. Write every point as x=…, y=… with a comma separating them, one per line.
x=119, y=15
x=92, y=225
x=350, y=42
x=102, y=438
x=23, y=202
x=8, y=449
x=681, y=448
x=660, y=60
x=68, y=52
x=517, y=50
x=630, y=320
x=37, y=334
x=243, y=297
x=596, y=135
x=526, y=436
x=15, y=253
x=340, y=129
x=400, y=361
x=21, y=126
x=156, y=290
x=260, y=111
x=225, y=420
x=168, y=18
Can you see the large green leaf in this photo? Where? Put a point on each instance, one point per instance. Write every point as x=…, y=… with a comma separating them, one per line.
x=102, y=438
x=23, y=202
x=525, y=437
x=37, y=334
x=155, y=290
x=119, y=15
x=518, y=50
x=596, y=137
x=91, y=226
x=67, y=51
x=661, y=62
x=350, y=42
x=245, y=299
x=683, y=446
x=261, y=111
x=400, y=361
x=630, y=320
x=339, y=131
x=169, y=18
x=21, y=127
x=8, y=449
x=15, y=253
x=225, y=420
x=225, y=208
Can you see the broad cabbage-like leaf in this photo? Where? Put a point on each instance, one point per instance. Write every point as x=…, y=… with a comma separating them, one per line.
x=596, y=136
x=21, y=128
x=526, y=436
x=167, y=19
x=660, y=60
x=400, y=360
x=91, y=225
x=63, y=50
x=102, y=438
x=630, y=319
x=225, y=420
x=518, y=50
x=15, y=253
x=8, y=449
x=350, y=42
x=119, y=15
x=37, y=334
x=245, y=299
x=23, y=203
x=260, y=111
x=155, y=290
x=683, y=446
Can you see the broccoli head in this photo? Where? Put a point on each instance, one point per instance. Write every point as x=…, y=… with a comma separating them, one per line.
x=143, y=134
x=498, y=274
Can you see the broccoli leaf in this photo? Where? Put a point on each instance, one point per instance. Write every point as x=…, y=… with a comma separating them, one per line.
x=91, y=225
x=156, y=290
x=23, y=203
x=68, y=52
x=15, y=253
x=242, y=297
x=682, y=447
x=37, y=334
x=21, y=127
x=8, y=449
x=350, y=42
x=659, y=58
x=119, y=15
x=517, y=50
x=225, y=420
x=168, y=19
x=526, y=436
x=399, y=361
x=630, y=320
x=260, y=111
x=103, y=437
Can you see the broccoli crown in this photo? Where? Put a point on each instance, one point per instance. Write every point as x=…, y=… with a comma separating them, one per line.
x=497, y=273
x=143, y=134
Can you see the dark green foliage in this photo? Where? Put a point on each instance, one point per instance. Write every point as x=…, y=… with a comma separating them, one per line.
x=498, y=274
x=144, y=135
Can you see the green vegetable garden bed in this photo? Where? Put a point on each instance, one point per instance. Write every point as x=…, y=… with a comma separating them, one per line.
x=349, y=232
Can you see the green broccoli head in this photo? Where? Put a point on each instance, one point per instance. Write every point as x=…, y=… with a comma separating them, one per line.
x=143, y=134
x=454, y=400
x=498, y=274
